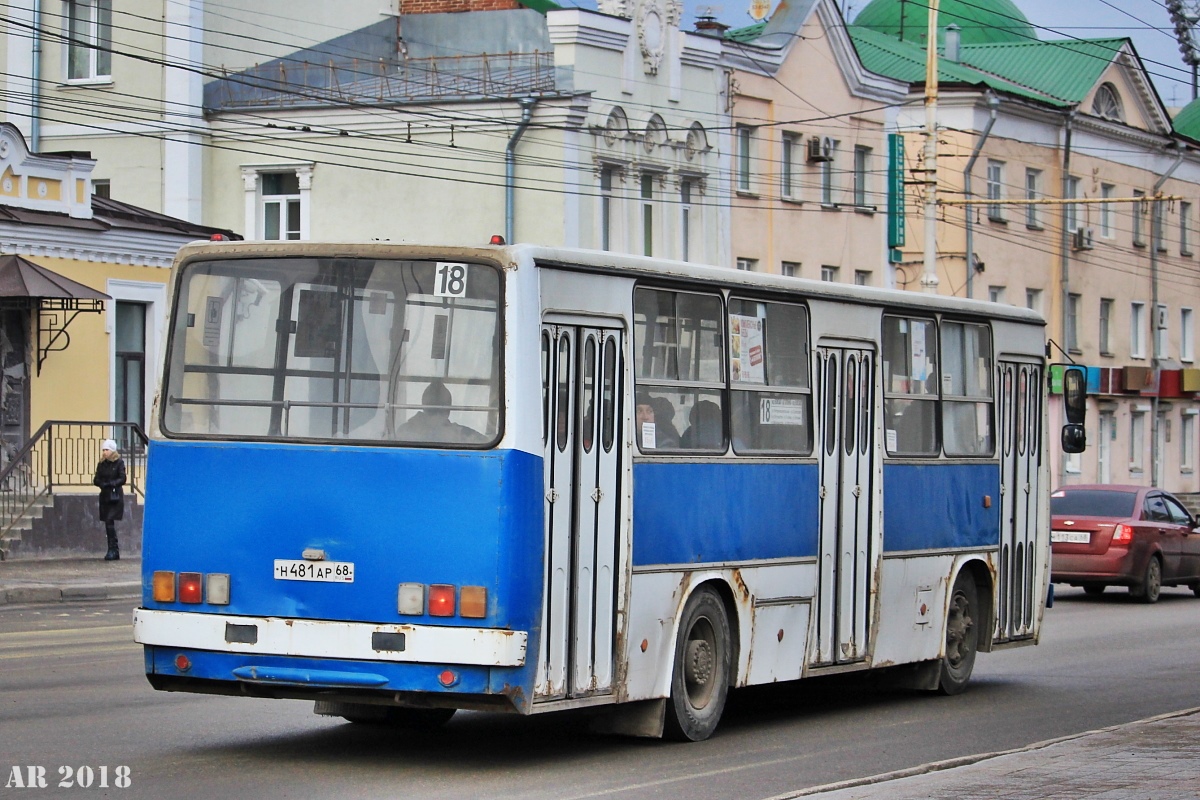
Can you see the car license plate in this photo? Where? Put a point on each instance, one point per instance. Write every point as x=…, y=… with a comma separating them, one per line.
x=1076, y=537
x=323, y=571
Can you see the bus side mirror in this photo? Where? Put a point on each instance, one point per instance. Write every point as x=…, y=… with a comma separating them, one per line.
x=1074, y=438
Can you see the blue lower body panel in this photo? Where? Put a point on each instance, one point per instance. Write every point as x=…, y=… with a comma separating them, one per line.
x=940, y=506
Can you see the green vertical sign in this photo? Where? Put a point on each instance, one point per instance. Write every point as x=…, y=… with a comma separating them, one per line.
x=895, y=190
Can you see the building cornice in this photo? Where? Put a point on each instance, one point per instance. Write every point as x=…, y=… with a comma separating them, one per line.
x=120, y=246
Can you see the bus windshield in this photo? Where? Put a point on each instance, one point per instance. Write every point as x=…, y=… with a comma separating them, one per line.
x=352, y=349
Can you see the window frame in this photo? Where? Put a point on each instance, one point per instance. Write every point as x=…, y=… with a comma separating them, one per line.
x=1033, y=182
x=90, y=48
x=995, y=189
x=931, y=380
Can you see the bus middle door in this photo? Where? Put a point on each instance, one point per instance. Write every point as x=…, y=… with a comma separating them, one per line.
x=845, y=550
x=582, y=380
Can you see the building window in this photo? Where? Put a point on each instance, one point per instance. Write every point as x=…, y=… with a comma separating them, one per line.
x=827, y=175
x=647, y=195
x=862, y=172
x=1073, y=301
x=1107, y=103
x=744, y=144
x=1106, y=210
x=1137, y=333
x=747, y=264
x=1071, y=210
x=1158, y=230
x=1033, y=191
x=1185, y=229
x=995, y=190
x=1137, y=439
x=89, y=55
x=1106, y=307
x=1187, y=336
x=102, y=188
x=788, y=185
x=685, y=218
x=606, y=206
x=862, y=277
x=129, y=380
x=1139, y=208
x=1033, y=299
x=790, y=268
x=280, y=206
x=1187, y=441
x=1161, y=345
x=996, y=294
x=829, y=274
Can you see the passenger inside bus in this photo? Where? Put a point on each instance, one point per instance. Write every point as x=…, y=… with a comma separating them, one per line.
x=704, y=433
x=432, y=423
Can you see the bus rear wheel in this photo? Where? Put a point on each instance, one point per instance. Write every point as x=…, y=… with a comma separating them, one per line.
x=700, y=678
x=962, y=636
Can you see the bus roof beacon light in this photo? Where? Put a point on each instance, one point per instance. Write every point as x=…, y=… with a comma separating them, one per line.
x=410, y=600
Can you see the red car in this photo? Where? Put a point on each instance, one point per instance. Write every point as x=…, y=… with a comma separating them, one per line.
x=1108, y=534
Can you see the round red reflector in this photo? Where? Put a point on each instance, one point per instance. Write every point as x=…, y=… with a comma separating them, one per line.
x=497, y=239
x=218, y=237
x=182, y=663
x=448, y=677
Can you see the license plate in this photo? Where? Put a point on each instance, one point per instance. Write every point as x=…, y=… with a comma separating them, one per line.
x=1075, y=537
x=322, y=571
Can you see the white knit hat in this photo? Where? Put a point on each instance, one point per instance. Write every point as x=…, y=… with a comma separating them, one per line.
x=109, y=444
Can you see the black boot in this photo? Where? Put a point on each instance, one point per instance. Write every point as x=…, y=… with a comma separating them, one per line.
x=114, y=553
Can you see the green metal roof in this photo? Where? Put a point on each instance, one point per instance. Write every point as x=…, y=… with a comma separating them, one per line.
x=1057, y=72
x=748, y=33
x=981, y=21
x=540, y=6
x=1187, y=121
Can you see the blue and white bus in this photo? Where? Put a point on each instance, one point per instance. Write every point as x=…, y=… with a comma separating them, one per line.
x=403, y=480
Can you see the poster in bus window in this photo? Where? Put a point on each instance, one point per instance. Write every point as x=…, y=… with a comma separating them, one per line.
x=746, y=361
x=781, y=411
x=919, y=365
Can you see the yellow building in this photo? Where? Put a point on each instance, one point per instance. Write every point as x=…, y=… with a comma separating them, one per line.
x=82, y=299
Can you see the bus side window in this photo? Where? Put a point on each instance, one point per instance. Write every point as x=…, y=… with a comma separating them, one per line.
x=910, y=382
x=967, y=389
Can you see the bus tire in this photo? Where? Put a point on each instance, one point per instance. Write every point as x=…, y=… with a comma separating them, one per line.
x=700, y=677
x=962, y=635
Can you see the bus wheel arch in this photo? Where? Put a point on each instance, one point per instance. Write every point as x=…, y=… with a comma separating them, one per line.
x=964, y=626
x=703, y=664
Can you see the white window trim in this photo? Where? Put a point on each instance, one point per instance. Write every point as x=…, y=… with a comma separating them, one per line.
x=252, y=185
x=1187, y=335
x=92, y=79
x=154, y=297
x=1137, y=330
x=1187, y=440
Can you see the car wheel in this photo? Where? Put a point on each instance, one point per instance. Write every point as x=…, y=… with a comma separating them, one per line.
x=700, y=678
x=962, y=636
x=1151, y=586
x=1094, y=589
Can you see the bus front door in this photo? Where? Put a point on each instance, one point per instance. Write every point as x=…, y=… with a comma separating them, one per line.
x=847, y=554
x=1020, y=438
x=582, y=379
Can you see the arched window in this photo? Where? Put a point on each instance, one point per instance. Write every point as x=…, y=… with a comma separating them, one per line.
x=1107, y=103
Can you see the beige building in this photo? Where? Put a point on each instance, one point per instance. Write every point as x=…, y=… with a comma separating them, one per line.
x=1039, y=124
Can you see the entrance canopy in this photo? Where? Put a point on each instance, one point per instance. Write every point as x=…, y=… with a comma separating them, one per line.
x=56, y=299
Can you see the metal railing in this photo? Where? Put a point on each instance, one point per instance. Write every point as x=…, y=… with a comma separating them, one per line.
x=63, y=454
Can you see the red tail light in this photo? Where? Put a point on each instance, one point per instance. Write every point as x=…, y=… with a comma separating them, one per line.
x=1122, y=534
x=190, y=587
x=441, y=600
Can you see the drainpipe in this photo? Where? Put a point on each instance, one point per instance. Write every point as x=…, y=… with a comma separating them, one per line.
x=993, y=103
x=35, y=96
x=1156, y=233
x=1064, y=272
x=510, y=156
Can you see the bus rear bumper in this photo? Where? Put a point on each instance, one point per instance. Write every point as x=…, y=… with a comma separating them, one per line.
x=355, y=641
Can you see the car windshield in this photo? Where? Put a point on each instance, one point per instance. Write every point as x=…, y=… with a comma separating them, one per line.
x=351, y=349
x=1092, y=503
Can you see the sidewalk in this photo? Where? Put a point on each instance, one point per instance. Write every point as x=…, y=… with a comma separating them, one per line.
x=1152, y=759
x=69, y=579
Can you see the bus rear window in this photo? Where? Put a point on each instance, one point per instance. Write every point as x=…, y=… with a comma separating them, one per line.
x=336, y=348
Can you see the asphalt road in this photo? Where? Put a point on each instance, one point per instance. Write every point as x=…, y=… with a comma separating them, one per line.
x=72, y=695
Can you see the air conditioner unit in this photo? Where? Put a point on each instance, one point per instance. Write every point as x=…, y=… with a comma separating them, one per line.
x=820, y=149
x=1084, y=239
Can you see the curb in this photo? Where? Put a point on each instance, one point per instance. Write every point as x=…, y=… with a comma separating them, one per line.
x=66, y=594
x=965, y=761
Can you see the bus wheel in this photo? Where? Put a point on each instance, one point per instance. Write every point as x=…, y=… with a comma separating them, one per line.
x=700, y=678
x=962, y=636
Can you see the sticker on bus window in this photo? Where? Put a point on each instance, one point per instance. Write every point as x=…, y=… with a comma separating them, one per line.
x=780, y=411
x=450, y=280
x=648, y=437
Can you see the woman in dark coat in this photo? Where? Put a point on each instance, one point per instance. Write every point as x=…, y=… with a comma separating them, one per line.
x=110, y=477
